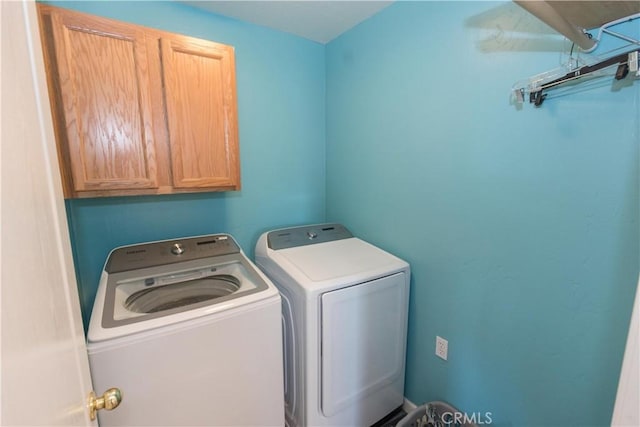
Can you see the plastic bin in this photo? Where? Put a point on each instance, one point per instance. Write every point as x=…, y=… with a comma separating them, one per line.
x=435, y=414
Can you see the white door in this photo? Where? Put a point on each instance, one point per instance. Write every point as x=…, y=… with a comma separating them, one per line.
x=45, y=373
x=626, y=411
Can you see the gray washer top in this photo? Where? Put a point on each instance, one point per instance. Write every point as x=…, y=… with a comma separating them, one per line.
x=181, y=261
x=137, y=257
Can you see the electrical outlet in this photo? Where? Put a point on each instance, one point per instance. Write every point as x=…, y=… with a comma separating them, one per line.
x=442, y=347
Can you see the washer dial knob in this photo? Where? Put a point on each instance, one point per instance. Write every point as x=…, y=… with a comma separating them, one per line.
x=177, y=249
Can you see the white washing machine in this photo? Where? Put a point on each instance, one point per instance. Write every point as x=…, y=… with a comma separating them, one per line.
x=345, y=305
x=190, y=331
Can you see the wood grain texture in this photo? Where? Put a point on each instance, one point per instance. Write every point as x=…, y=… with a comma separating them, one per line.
x=160, y=130
x=200, y=97
x=139, y=111
x=102, y=72
x=55, y=99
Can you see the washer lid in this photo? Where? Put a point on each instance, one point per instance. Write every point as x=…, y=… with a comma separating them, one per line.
x=182, y=293
x=140, y=295
x=166, y=284
x=340, y=259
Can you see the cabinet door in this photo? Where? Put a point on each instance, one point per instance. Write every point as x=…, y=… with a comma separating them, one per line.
x=200, y=97
x=101, y=67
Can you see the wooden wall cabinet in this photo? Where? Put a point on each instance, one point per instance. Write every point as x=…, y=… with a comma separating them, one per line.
x=139, y=111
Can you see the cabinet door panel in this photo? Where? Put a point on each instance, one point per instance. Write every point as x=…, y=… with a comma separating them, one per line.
x=200, y=96
x=103, y=76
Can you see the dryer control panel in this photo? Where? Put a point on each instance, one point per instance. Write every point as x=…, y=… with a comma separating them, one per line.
x=308, y=235
x=135, y=257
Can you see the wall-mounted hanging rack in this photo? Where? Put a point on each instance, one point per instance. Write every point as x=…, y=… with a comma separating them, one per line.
x=537, y=86
x=605, y=29
x=574, y=19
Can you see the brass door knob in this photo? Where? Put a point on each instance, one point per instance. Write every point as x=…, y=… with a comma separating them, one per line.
x=109, y=400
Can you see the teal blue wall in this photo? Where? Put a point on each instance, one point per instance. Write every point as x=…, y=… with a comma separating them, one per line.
x=520, y=225
x=281, y=108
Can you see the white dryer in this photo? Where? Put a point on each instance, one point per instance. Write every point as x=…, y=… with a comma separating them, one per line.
x=345, y=305
x=190, y=331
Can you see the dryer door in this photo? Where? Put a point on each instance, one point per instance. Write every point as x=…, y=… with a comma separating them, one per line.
x=363, y=341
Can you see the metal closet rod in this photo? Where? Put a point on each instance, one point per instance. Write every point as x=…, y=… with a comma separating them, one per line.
x=605, y=29
x=623, y=60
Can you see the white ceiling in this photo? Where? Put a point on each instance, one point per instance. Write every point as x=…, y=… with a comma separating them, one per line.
x=321, y=21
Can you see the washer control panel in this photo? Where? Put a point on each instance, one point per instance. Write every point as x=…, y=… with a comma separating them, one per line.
x=177, y=249
x=308, y=235
x=135, y=257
